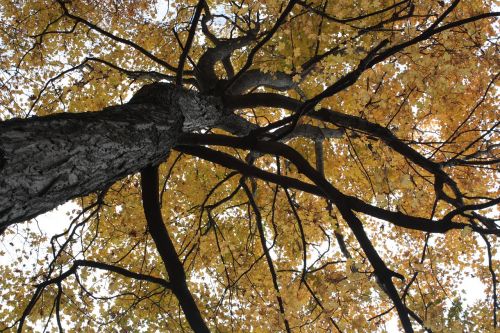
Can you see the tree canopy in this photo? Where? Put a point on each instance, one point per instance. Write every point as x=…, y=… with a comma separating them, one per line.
x=262, y=166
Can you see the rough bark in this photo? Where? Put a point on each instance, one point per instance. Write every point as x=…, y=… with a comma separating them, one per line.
x=45, y=161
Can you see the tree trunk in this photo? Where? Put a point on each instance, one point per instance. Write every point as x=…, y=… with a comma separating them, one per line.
x=45, y=161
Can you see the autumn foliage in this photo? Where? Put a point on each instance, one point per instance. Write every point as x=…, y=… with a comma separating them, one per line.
x=352, y=183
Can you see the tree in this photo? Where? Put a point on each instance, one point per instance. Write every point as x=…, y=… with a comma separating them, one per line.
x=250, y=166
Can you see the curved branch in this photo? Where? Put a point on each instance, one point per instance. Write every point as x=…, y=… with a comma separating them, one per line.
x=426, y=34
x=342, y=120
x=255, y=78
x=72, y=270
x=123, y=272
x=397, y=218
x=220, y=52
x=166, y=249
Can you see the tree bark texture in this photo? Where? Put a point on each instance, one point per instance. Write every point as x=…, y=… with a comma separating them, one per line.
x=45, y=161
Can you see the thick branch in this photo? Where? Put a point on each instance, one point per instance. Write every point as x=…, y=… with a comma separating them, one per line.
x=123, y=272
x=396, y=218
x=255, y=78
x=342, y=120
x=220, y=52
x=166, y=249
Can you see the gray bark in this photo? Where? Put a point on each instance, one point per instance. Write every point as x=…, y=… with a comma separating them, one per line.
x=45, y=161
x=255, y=78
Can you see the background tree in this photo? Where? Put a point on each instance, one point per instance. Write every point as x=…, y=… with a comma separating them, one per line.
x=304, y=165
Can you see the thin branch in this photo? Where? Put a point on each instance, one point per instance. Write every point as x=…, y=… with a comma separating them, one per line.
x=189, y=41
x=116, y=38
x=262, y=42
x=260, y=227
x=350, y=19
